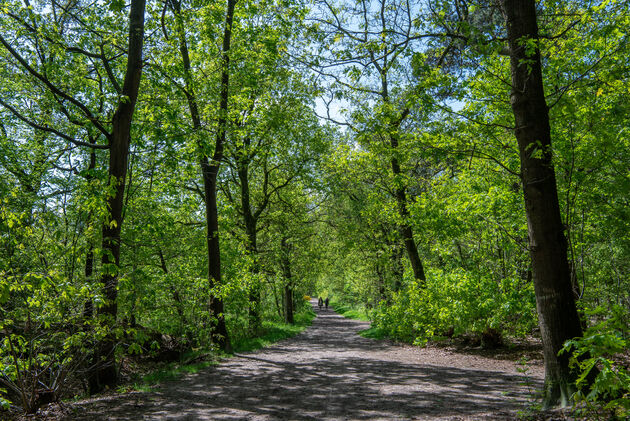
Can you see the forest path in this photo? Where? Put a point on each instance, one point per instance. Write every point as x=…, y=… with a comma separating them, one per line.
x=328, y=372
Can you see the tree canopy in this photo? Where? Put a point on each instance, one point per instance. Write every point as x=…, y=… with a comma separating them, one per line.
x=178, y=174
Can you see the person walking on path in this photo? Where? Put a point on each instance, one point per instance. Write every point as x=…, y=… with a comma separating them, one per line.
x=326, y=302
x=320, y=303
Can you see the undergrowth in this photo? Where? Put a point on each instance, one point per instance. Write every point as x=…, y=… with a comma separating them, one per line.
x=351, y=311
x=170, y=371
x=373, y=333
x=274, y=332
x=359, y=312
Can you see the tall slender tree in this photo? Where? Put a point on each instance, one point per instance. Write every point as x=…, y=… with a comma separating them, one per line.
x=209, y=165
x=105, y=373
x=369, y=44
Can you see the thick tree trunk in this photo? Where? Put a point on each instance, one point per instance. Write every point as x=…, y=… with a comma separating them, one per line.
x=557, y=313
x=104, y=372
x=215, y=306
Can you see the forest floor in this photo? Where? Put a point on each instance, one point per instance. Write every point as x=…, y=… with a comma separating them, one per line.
x=329, y=372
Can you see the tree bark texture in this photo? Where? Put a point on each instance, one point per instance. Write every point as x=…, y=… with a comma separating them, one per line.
x=105, y=373
x=557, y=314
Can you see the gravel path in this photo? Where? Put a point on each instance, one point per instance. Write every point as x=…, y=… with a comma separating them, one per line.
x=328, y=372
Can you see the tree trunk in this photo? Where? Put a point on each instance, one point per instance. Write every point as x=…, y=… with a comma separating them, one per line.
x=215, y=305
x=406, y=231
x=407, y=235
x=397, y=267
x=104, y=372
x=288, y=290
x=210, y=169
x=210, y=172
x=288, y=297
x=400, y=192
x=242, y=163
x=557, y=314
x=88, y=307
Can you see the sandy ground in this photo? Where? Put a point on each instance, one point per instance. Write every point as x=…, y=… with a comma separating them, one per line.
x=328, y=372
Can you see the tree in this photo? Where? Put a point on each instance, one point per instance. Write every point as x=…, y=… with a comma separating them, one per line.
x=210, y=166
x=106, y=374
x=118, y=137
x=370, y=44
x=557, y=313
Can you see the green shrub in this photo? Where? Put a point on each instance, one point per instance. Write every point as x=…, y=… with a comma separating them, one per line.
x=597, y=349
x=457, y=302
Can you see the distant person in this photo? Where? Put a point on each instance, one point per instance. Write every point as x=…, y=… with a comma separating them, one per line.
x=326, y=302
x=320, y=303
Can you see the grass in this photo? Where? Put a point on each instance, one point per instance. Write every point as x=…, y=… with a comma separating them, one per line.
x=351, y=312
x=272, y=332
x=373, y=333
x=171, y=371
x=359, y=313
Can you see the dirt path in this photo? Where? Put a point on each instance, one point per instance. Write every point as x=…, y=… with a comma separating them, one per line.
x=330, y=373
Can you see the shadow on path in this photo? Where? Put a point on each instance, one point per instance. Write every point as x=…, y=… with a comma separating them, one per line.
x=326, y=373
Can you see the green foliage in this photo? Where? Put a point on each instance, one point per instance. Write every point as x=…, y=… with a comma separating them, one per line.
x=458, y=302
x=601, y=351
x=274, y=332
x=42, y=347
x=324, y=200
x=373, y=333
x=350, y=311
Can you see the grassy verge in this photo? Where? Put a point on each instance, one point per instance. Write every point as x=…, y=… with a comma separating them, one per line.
x=350, y=311
x=272, y=332
x=373, y=333
x=359, y=313
x=170, y=371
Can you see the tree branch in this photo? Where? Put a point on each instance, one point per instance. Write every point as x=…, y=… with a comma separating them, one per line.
x=50, y=129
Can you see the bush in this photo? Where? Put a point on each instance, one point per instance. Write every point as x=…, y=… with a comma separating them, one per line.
x=43, y=343
x=457, y=303
x=601, y=349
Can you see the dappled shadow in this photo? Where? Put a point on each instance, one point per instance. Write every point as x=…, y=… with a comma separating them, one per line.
x=326, y=373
